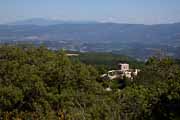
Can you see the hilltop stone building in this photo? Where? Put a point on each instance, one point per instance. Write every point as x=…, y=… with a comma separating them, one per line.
x=123, y=71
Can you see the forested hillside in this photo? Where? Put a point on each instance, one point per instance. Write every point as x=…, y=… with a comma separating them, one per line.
x=105, y=61
x=36, y=83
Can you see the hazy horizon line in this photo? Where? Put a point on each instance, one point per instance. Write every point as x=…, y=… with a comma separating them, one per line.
x=90, y=21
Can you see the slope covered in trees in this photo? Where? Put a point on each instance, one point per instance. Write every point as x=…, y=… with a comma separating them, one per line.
x=105, y=61
x=36, y=83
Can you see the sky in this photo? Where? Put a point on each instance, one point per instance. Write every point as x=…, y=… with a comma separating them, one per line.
x=120, y=11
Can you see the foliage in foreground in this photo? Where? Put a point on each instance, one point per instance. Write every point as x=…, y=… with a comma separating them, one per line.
x=36, y=83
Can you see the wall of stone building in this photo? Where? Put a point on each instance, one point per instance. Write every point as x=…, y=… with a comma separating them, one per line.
x=124, y=67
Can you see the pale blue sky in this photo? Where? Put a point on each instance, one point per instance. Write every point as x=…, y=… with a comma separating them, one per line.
x=122, y=11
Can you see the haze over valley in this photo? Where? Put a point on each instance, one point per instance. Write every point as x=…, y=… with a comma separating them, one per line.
x=135, y=40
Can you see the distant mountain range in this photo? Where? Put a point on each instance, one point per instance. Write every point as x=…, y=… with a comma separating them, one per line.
x=46, y=22
x=95, y=35
x=92, y=31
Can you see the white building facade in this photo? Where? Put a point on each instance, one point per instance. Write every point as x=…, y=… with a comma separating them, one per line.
x=124, y=71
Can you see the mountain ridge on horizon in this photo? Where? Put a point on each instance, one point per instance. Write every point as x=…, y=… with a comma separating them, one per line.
x=93, y=31
x=47, y=22
x=132, y=38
